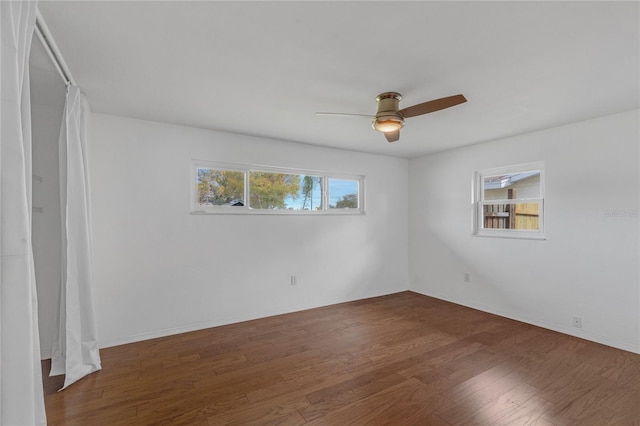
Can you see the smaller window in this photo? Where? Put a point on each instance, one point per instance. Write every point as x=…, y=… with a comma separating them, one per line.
x=343, y=194
x=509, y=201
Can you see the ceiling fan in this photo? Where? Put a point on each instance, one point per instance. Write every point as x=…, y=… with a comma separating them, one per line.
x=390, y=118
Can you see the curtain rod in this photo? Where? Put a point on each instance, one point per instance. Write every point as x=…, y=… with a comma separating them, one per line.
x=43, y=33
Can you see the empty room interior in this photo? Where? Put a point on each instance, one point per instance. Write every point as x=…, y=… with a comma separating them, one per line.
x=338, y=213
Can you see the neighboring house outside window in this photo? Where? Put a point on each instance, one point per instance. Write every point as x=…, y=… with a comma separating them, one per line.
x=509, y=201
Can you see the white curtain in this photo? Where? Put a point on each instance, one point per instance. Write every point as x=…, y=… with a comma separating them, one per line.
x=21, y=393
x=75, y=351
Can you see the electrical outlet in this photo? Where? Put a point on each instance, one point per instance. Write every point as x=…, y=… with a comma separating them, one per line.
x=467, y=277
x=294, y=280
x=577, y=322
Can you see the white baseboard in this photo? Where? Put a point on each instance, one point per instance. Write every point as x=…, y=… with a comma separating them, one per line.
x=580, y=333
x=217, y=322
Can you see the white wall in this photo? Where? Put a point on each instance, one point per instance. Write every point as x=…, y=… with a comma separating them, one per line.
x=160, y=270
x=589, y=264
x=47, y=105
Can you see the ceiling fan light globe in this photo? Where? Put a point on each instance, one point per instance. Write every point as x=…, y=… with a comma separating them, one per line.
x=387, y=125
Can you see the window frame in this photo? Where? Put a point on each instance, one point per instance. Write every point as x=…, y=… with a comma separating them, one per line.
x=478, y=202
x=196, y=209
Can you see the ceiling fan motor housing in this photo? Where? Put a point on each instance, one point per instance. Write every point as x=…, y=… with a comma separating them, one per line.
x=388, y=118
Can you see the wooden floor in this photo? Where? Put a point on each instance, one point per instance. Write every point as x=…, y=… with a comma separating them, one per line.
x=403, y=359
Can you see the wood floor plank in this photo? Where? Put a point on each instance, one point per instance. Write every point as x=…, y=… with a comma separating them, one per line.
x=529, y=413
x=503, y=406
x=441, y=358
x=488, y=397
x=282, y=411
x=298, y=385
x=348, y=392
x=570, y=387
x=401, y=359
x=419, y=358
x=393, y=403
x=485, y=381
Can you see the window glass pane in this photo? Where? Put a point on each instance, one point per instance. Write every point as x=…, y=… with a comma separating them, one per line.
x=274, y=191
x=522, y=216
x=343, y=194
x=220, y=187
x=512, y=186
x=310, y=194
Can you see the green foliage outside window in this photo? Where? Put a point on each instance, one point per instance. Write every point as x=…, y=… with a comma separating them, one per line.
x=349, y=201
x=220, y=187
x=269, y=190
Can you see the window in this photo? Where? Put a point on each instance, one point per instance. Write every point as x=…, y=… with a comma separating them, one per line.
x=509, y=201
x=237, y=188
x=343, y=194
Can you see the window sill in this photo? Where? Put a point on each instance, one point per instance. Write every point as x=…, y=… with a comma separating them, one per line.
x=277, y=212
x=511, y=235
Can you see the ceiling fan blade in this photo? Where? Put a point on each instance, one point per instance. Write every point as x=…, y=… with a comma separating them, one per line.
x=342, y=115
x=392, y=136
x=432, y=106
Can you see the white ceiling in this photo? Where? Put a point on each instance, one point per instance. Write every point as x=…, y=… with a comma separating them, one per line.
x=264, y=68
